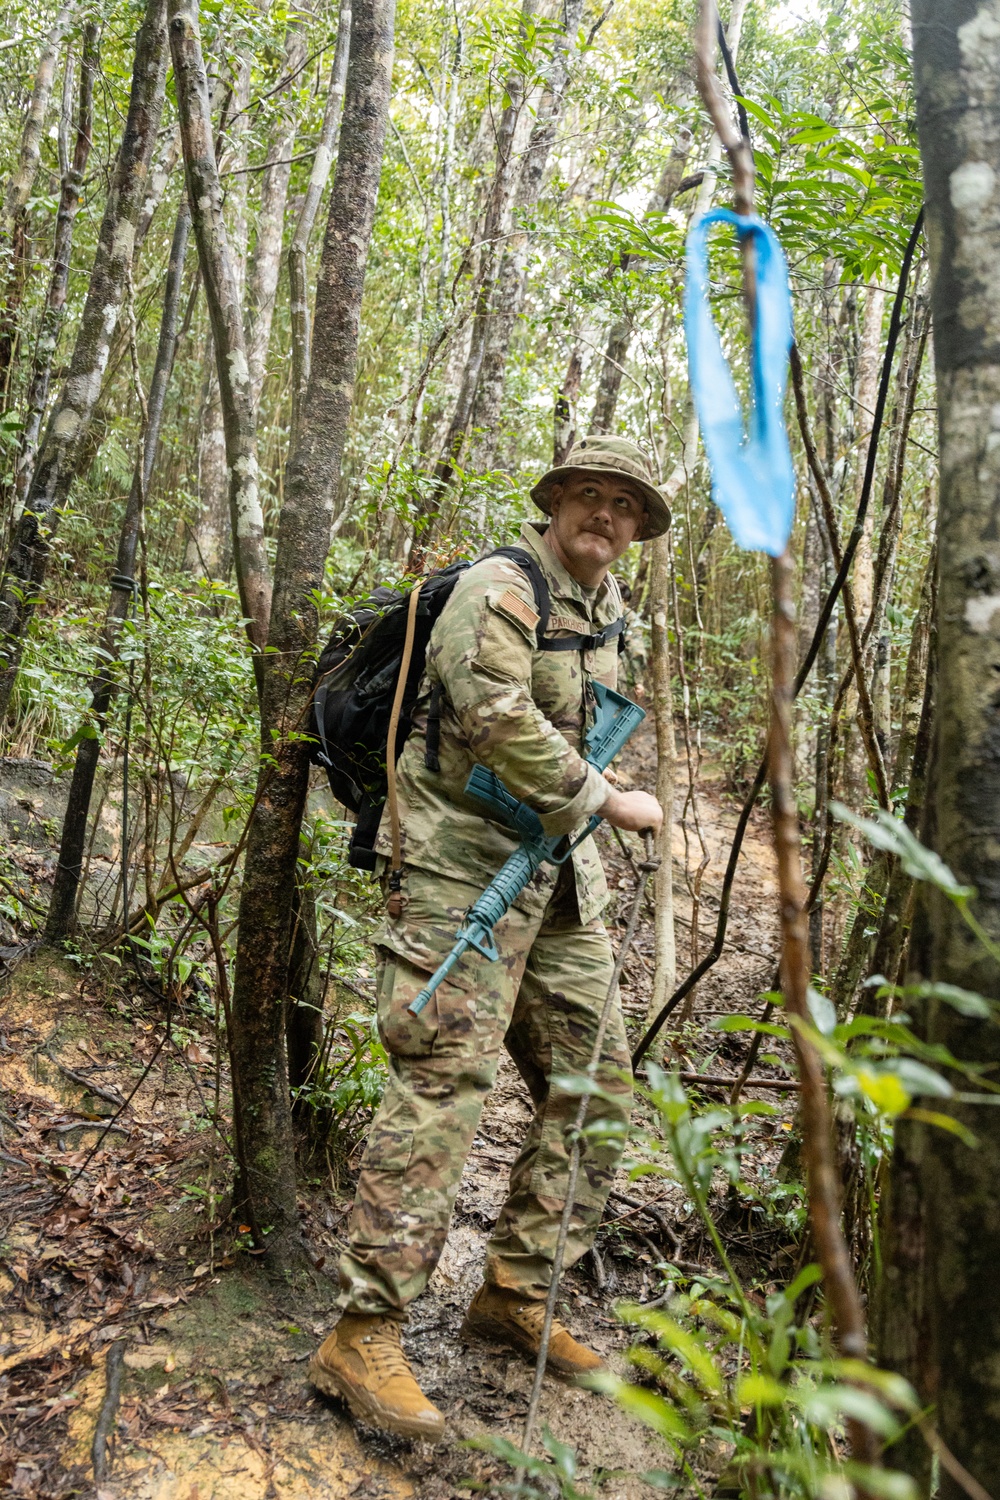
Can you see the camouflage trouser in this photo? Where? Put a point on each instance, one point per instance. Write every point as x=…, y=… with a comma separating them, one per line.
x=542, y=1000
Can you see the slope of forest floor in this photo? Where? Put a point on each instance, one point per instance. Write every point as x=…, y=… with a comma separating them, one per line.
x=129, y=1242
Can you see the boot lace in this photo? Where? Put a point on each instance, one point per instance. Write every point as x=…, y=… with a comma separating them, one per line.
x=385, y=1352
x=532, y=1316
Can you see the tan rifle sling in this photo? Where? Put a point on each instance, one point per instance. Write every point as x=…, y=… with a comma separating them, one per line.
x=395, y=899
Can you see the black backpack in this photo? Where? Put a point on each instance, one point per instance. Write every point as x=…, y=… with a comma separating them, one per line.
x=356, y=678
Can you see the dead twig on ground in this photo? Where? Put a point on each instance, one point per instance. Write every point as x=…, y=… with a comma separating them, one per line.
x=110, y=1097
x=115, y=1368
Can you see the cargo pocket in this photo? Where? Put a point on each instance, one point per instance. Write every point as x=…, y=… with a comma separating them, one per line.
x=403, y=1034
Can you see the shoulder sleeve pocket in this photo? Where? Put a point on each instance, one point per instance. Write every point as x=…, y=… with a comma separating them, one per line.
x=508, y=636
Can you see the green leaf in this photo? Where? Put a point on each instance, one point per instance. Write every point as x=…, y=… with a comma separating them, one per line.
x=893, y=1388
x=822, y=1010
x=881, y=1482
x=891, y=834
x=825, y=1403
x=943, y=1122
x=966, y=1002
x=761, y=1390
x=747, y=1023
x=662, y=1416
x=807, y=1277
x=85, y=732
x=885, y=1090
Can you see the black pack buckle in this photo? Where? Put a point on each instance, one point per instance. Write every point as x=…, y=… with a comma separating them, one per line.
x=583, y=642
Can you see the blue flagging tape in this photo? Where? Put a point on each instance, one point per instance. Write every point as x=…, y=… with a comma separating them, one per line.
x=753, y=482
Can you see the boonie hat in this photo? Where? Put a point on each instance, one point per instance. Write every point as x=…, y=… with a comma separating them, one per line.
x=601, y=454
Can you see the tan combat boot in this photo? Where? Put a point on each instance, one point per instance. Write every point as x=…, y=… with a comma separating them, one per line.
x=505, y=1317
x=363, y=1362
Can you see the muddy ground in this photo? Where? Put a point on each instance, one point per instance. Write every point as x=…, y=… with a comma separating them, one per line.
x=127, y=1244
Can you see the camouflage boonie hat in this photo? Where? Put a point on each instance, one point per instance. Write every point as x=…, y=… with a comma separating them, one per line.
x=601, y=454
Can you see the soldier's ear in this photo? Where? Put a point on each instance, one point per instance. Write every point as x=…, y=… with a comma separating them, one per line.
x=555, y=499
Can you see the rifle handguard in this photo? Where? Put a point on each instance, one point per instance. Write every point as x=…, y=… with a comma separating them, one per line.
x=615, y=719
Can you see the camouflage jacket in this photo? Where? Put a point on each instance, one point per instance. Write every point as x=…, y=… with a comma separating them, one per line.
x=518, y=710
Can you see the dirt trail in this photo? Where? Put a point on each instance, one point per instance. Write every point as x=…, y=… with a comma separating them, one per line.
x=214, y=1401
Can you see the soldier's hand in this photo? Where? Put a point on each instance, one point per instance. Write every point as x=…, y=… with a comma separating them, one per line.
x=633, y=811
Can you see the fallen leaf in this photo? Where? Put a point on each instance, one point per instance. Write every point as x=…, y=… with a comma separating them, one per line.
x=37, y=1348
x=169, y=1364
x=201, y=1270
x=109, y=1334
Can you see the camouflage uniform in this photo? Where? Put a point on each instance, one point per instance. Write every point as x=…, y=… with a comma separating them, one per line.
x=522, y=712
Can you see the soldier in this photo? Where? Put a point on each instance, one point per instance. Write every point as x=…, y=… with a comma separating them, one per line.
x=496, y=694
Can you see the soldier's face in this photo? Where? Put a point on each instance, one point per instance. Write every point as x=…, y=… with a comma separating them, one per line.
x=594, y=520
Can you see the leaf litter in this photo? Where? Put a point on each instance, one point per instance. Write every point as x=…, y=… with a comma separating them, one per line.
x=105, y=1239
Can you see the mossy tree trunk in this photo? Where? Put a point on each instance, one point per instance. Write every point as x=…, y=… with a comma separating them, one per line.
x=267, y=897
x=945, y=1255
x=223, y=293
x=61, y=917
x=65, y=433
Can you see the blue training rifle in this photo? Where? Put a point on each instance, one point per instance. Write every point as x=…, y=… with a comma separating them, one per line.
x=615, y=718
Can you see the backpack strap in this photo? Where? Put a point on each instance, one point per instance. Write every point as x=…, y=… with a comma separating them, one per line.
x=543, y=606
x=319, y=713
x=585, y=642
x=539, y=587
x=530, y=565
x=432, y=751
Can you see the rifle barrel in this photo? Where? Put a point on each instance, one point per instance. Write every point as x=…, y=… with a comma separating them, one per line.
x=441, y=973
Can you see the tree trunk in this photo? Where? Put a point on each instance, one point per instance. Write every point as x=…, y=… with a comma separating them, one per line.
x=865, y=391
x=55, y=302
x=874, y=944
x=453, y=50
x=490, y=253
x=957, y=71
x=869, y=916
x=902, y=1314
x=265, y=263
x=326, y=149
x=304, y=1016
x=13, y=267
x=159, y=175
x=56, y=464
x=863, y=578
x=262, y=956
x=826, y=688
x=665, y=971
x=62, y=906
x=564, y=416
x=620, y=333
x=211, y=543
x=911, y=772
x=23, y=177
x=509, y=294
x=222, y=293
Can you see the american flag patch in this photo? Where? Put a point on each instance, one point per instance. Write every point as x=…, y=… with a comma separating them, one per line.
x=519, y=609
